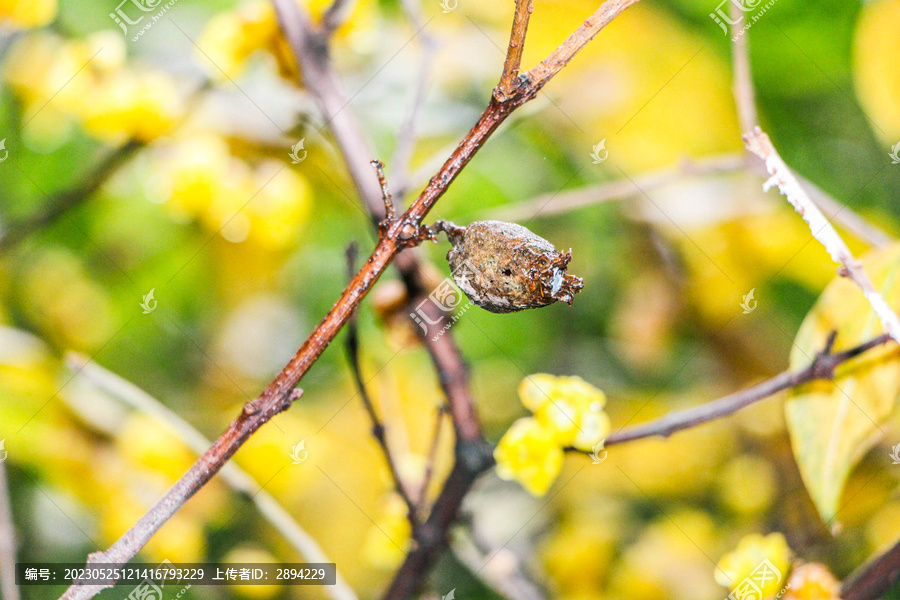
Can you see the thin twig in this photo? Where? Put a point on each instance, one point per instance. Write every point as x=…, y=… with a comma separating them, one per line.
x=844, y=215
x=822, y=367
x=550, y=66
x=472, y=453
x=378, y=428
x=509, y=580
x=7, y=540
x=872, y=580
x=560, y=202
x=336, y=14
x=472, y=456
x=431, y=460
x=780, y=175
x=239, y=480
x=745, y=98
x=62, y=202
x=743, y=77
x=513, y=60
x=406, y=140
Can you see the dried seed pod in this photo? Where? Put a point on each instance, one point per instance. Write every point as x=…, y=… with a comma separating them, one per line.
x=503, y=267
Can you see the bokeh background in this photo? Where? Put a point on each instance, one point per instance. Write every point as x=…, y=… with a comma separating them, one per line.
x=245, y=253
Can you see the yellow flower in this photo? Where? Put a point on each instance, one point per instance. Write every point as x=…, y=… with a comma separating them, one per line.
x=569, y=407
x=133, y=106
x=27, y=13
x=388, y=541
x=530, y=454
x=231, y=38
x=813, y=581
x=764, y=560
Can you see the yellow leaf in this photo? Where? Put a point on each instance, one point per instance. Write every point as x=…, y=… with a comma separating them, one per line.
x=833, y=423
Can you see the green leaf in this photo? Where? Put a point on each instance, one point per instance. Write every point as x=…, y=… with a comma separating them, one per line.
x=832, y=424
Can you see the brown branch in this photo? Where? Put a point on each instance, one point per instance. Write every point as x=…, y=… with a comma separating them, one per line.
x=822, y=367
x=336, y=14
x=254, y=415
x=432, y=457
x=473, y=456
x=378, y=428
x=550, y=66
x=513, y=60
x=319, y=77
x=240, y=481
x=873, y=579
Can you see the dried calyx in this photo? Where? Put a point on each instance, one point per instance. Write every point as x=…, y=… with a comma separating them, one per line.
x=504, y=267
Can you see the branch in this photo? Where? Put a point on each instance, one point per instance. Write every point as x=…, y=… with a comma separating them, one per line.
x=513, y=60
x=822, y=367
x=743, y=78
x=432, y=458
x=61, y=202
x=407, y=138
x=759, y=144
x=472, y=456
x=745, y=98
x=550, y=66
x=239, y=480
x=378, y=429
x=873, y=579
x=7, y=541
x=560, y=202
x=335, y=15
x=508, y=577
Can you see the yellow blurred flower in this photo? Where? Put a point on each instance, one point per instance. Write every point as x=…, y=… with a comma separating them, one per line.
x=569, y=407
x=747, y=485
x=27, y=13
x=813, y=581
x=252, y=555
x=876, y=78
x=530, y=454
x=755, y=557
x=86, y=80
x=230, y=38
x=145, y=442
x=387, y=542
x=133, y=106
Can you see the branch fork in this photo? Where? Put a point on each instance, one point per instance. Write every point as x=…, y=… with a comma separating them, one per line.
x=408, y=231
